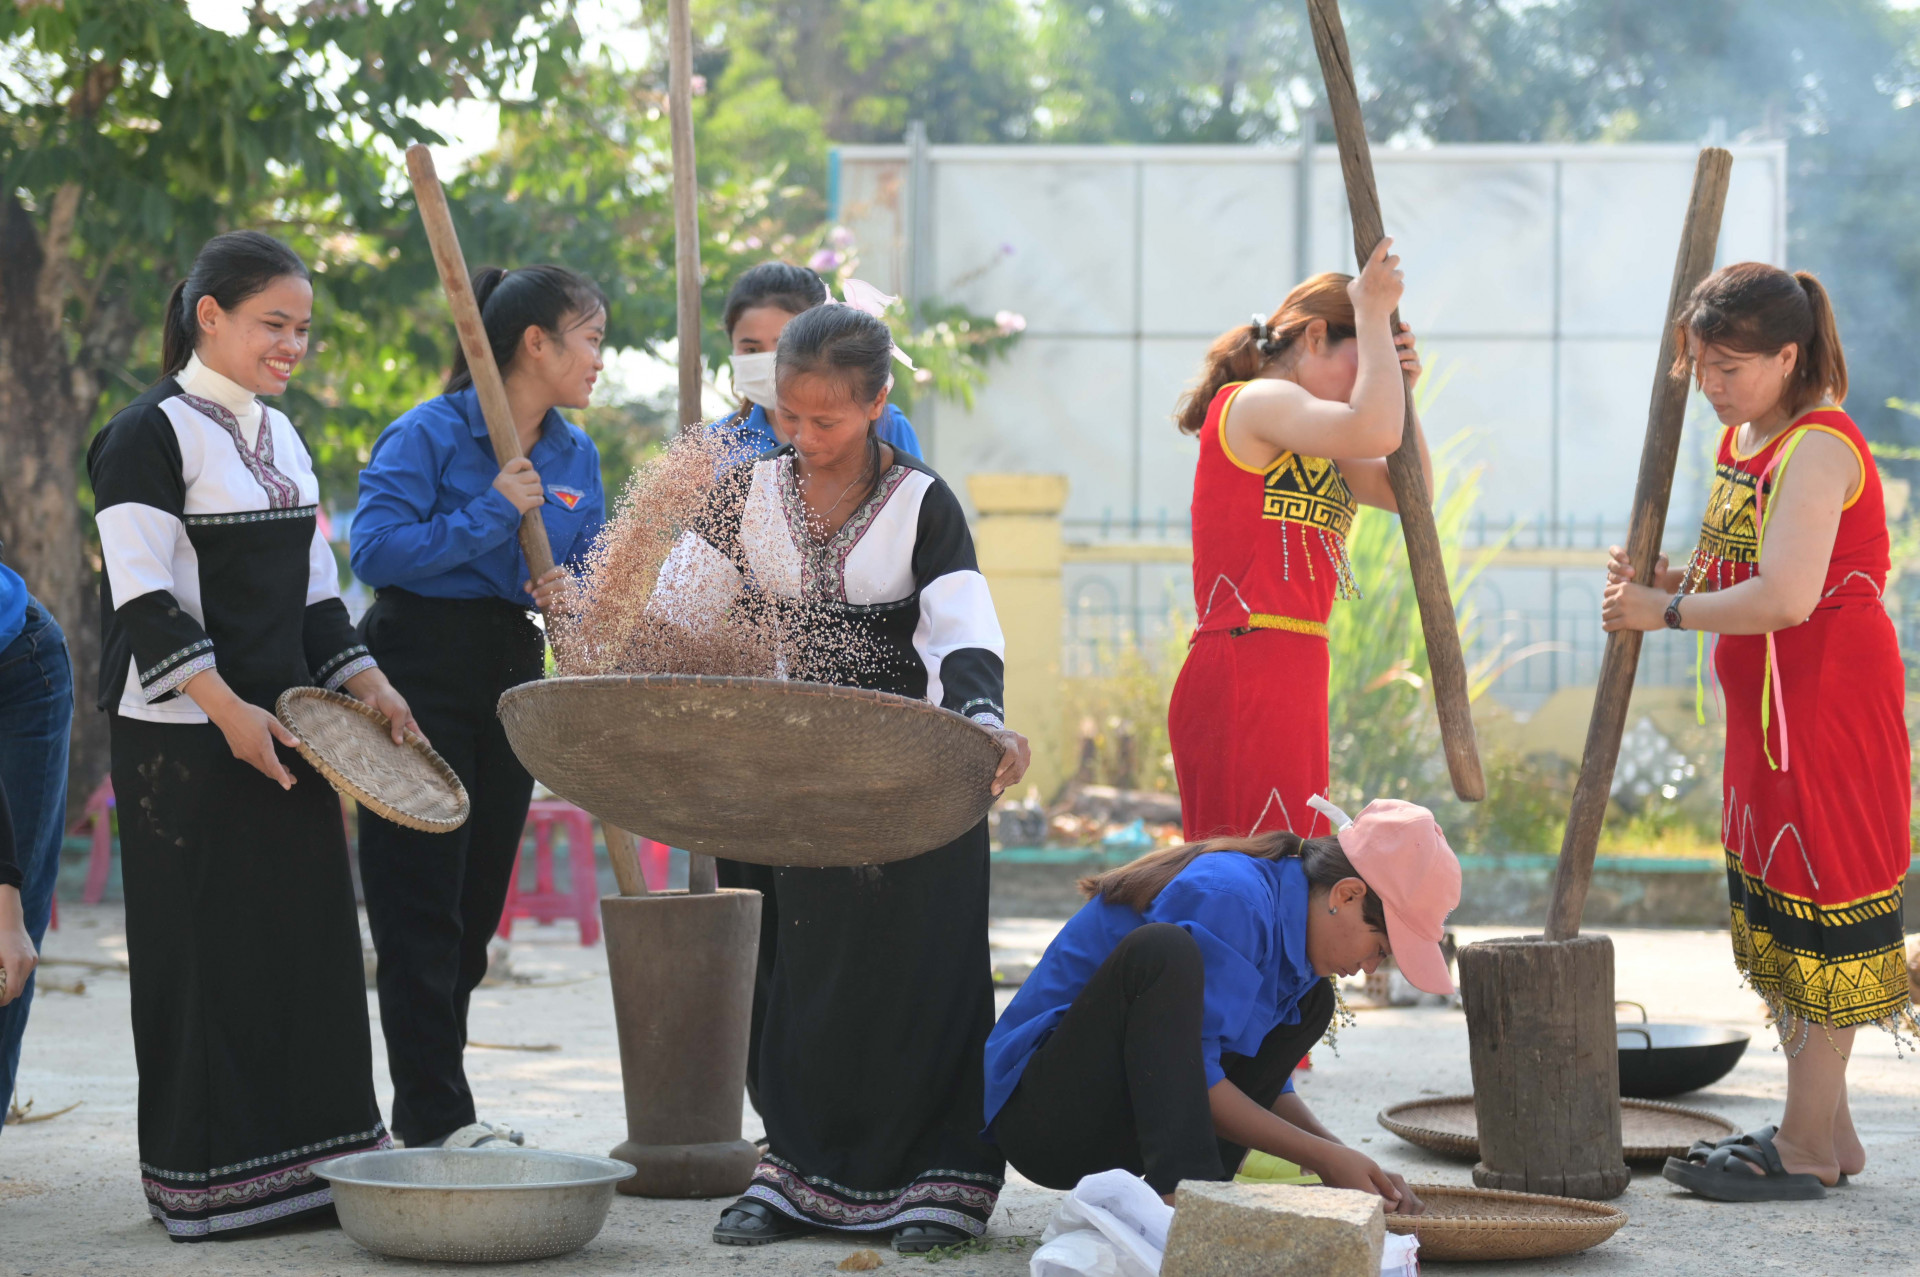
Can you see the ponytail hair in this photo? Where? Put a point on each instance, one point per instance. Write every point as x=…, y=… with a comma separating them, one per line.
x=1756, y=309
x=1137, y=884
x=512, y=301
x=794, y=289
x=1241, y=354
x=228, y=268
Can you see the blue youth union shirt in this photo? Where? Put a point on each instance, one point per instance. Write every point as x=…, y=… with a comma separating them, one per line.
x=754, y=436
x=431, y=521
x=13, y=606
x=1249, y=918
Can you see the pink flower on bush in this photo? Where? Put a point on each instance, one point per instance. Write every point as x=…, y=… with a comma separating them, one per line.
x=841, y=238
x=1010, y=322
x=921, y=376
x=825, y=260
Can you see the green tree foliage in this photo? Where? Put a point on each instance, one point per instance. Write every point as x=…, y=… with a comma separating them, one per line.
x=129, y=134
x=1837, y=79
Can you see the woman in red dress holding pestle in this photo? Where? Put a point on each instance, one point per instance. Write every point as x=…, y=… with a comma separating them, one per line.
x=1792, y=559
x=1296, y=415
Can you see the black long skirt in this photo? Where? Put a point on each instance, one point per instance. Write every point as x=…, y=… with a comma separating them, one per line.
x=870, y=1065
x=249, y=993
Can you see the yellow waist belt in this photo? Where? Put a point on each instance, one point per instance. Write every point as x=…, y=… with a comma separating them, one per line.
x=1268, y=621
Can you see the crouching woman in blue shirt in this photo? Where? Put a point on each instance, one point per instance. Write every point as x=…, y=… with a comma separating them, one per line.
x=436, y=535
x=1160, y=1031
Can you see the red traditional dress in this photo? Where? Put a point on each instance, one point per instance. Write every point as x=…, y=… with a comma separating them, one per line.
x=1248, y=718
x=1817, y=791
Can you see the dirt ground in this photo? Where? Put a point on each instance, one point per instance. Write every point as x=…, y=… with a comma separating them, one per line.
x=70, y=1199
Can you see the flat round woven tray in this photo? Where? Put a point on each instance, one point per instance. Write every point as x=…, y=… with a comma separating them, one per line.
x=755, y=769
x=1650, y=1131
x=350, y=743
x=1486, y=1223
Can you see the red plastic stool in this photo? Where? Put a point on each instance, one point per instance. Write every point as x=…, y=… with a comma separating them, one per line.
x=546, y=903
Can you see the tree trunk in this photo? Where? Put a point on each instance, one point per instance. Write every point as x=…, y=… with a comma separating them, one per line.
x=46, y=410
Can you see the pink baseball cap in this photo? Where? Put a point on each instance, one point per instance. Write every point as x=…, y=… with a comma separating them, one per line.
x=1398, y=849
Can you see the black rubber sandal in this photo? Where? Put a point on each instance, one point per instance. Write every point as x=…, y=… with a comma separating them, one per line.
x=1728, y=1174
x=754, y=1223
x=1702, y=1148
x=919, y=1239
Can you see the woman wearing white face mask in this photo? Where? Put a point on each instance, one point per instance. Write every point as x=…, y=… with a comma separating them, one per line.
x=759, y=305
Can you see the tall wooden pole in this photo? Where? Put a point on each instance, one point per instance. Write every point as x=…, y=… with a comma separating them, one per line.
x=1446, y=665
x=1665, y=418
x=686, y=262
x=452, y=263
x=686, y=203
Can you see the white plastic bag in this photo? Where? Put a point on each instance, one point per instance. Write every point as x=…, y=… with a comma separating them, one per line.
x=1399, y=1258
x=1111, y=1225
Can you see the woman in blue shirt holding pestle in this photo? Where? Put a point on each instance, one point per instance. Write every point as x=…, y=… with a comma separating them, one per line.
x=437, y=536
x=1160, y=1032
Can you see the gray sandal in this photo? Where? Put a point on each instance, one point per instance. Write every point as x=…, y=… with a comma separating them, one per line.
x=1729, y=1174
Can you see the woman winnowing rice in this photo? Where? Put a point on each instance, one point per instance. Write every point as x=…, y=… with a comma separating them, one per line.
x=880, y=997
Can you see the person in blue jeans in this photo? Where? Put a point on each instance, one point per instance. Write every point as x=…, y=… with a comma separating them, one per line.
x=36, y=714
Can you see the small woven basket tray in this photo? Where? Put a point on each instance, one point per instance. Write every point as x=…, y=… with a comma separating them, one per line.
x=350, y=743
x=1487, y=1223
x=1650, y=1131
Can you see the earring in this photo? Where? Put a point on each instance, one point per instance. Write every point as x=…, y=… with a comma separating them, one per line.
x=1332, y=911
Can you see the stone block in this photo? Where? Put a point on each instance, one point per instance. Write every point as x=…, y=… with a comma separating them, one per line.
x=1273, y=1230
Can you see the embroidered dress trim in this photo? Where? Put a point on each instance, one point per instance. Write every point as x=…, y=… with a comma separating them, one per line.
x=823, y=564
x=282, y=493
x=980, y=707
x=1833, y=964
x=246, y=516
x=192, y=1205
x=958, y=1199
x=343, y=666
x=160, y=681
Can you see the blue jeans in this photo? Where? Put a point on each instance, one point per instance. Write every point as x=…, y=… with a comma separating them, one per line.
x=36, y=715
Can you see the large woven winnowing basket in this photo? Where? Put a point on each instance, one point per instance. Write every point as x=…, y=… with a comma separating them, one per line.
x=1486, y=1223
x=349, y=743
x=1650, y=1131
x=761, y=770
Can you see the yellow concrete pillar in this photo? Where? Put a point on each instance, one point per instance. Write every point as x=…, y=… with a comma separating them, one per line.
x=1017, y=536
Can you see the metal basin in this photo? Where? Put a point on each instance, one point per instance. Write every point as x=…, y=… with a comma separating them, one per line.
x=1658, y=1060
x=472, y=1205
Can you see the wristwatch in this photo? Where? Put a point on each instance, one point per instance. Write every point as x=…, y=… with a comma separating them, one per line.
x=1673, y=612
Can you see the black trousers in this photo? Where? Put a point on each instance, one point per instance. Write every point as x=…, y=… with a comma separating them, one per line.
x=1121, y=1083
x=760, y=878
x=434, y=900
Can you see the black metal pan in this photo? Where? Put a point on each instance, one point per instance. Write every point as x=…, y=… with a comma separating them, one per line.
x=1659, y=1060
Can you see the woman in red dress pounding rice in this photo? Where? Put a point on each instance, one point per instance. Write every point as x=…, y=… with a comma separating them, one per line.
x=1277, y=401
x=1792, y=559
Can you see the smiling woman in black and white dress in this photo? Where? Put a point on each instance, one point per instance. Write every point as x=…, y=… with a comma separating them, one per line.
x=880, y=997
x=249, y=1001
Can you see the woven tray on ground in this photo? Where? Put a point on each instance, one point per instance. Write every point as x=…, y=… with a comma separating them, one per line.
x=1487, y=1223
x=754, y=769
x=1649, y=1130
x=351, y=744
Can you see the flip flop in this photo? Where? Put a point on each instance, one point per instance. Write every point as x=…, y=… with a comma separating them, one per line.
x=749, y=1222
x=1701, y=1148
x=1728, y=1174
